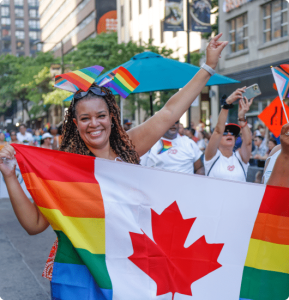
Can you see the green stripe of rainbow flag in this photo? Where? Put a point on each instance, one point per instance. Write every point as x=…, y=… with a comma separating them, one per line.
x=78, y=219
x=266, y=271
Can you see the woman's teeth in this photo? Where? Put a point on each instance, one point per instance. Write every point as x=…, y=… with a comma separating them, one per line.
x=95, y=133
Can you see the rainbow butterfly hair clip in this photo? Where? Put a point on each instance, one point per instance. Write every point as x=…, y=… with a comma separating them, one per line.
x=121, y=80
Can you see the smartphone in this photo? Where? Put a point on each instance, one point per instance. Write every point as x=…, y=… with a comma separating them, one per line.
x=252, y=91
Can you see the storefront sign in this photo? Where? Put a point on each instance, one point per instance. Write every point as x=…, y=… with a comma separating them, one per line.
x=273, y=116
x=200, y=12
x=229, y=5
x=174, y=15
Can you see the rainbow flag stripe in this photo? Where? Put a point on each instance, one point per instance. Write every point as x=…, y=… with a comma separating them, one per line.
x=266, y=271
x=281, y=77
x=80, y=79
x=166, y=145
x=79, y=271
x=123, y=82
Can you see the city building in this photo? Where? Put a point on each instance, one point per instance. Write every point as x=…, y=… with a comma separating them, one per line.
x=68, y=22
x=20, y=27
x=143, y=20
x=257, y=31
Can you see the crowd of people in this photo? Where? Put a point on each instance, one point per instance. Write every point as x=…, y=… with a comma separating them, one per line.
x=49, y=138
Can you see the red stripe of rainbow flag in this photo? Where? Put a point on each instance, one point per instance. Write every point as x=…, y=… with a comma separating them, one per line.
x=166, y=146
x=266, y=271
x=69, y=196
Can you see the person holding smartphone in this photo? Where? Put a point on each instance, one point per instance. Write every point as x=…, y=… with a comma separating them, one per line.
x=220, y=160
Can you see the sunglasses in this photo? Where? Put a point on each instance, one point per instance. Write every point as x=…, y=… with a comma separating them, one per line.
x=227, y=132
x=95, y=90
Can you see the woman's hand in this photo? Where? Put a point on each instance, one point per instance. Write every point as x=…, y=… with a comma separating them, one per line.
x=238, y=94
x=7, y=152
x=244, y=106
x=213, y=51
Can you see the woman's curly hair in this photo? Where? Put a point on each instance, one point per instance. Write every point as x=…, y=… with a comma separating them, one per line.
x=119, y=139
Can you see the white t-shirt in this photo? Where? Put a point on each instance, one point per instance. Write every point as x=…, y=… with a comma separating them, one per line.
x=227, y=168
x=178, y=155
x=27, y=137
x=271, y=164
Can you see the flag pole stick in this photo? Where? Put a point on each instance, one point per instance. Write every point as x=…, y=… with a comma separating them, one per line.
x=281, y=99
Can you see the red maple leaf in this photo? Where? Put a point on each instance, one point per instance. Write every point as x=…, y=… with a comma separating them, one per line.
x=172, y=266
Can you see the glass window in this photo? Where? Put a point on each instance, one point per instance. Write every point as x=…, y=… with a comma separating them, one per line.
x=151, y=33
x=122, y=15
x=150, y=3
x=5, y=11
x=20, y=45
x=19, y=12
x=275, y=20
x=130, y=10
x=139, y=6
x=34, y=24
x=238, y=31
x=5, y=21
x=162, y=32
x=19, y=23
x=34, y=35
x=18, y=2
x=6, y=33
x=33, y=2
x=33, y=13
x=6, y=45
x=5, y=2
x=19, y=34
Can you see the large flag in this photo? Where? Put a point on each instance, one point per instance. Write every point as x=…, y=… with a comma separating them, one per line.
x=130, y=232
x=281, y=77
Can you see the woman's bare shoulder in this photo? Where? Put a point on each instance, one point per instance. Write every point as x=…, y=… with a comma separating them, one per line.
x=274, y=150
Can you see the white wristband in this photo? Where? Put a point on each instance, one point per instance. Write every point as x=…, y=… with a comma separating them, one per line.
x=208, y=69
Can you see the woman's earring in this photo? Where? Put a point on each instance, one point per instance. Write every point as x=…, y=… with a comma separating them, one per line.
x=112, y=125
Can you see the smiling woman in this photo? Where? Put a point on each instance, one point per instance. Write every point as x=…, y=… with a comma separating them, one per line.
x=220, y=160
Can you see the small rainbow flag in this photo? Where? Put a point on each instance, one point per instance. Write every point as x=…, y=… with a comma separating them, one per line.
x=166, y=146
x=80, y=79
x=47, y=126
x=123, y=82
x=281, y=77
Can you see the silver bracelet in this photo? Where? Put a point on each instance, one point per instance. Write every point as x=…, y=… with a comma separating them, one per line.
x=208, y=69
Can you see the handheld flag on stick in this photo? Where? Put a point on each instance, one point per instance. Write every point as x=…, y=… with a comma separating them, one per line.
x=80, y=79
x=281, y=77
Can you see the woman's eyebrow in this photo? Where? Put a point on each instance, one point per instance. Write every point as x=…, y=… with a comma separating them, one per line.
x=99, y=112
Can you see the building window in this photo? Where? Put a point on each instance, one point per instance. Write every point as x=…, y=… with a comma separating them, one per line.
x=20, y=45
x=150, y=34
x=6, y=45
x=139, y=6
x=238, y=33
x=5, y=2
x=162, y=31
x=34, y=35
x=33, y=13
x=33, y=2
x=275, y=20
x=130, y=10
x=174, y=34
x=19, y=23
x=122, y=16
x=150, y=3
x=19, y=34
x=5, y=21
x=5, y=11
x=140, y=39
x=6, y=33
x=19, y=12
x=18, y=2
x=34, y=24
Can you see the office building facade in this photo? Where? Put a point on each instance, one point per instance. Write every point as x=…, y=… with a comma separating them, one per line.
x=257, y=31
x=20, y=27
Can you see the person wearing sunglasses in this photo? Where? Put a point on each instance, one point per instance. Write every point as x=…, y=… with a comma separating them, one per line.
x=92, y=127
x=220, y=160
x=175, y=153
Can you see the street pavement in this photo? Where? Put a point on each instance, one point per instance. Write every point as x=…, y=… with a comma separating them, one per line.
x=22, y=258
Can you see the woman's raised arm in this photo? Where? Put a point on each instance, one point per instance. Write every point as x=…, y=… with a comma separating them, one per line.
x=26, y=212
x=147, y=134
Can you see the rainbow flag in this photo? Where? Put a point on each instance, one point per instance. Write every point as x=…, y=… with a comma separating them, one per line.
x=47, y=126
x=281, y=77
x=266, y=271
x=122, y=82
x=80, y=79
x=119, y=239
x=166, y=145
